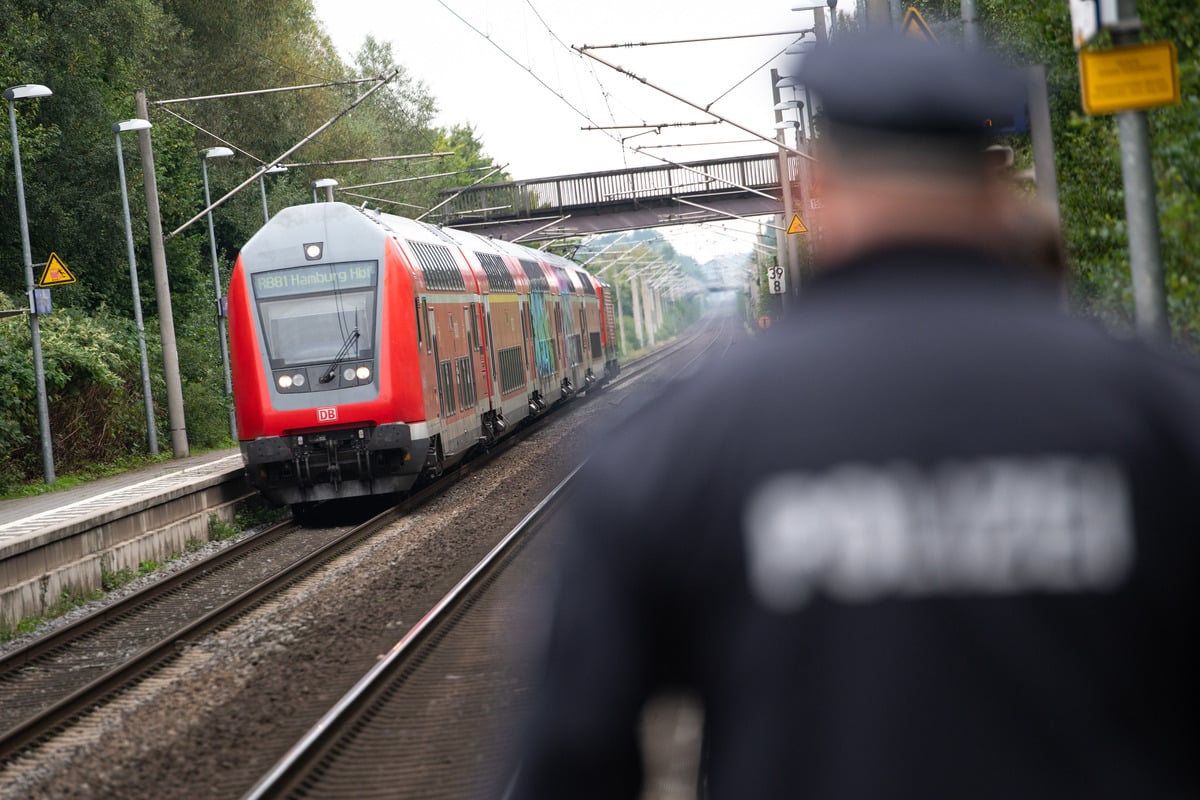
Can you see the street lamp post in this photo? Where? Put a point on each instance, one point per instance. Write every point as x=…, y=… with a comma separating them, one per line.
x=262, y=183
x=151, y=428
x=12, y=95
x=324, y=183
x=205, y=155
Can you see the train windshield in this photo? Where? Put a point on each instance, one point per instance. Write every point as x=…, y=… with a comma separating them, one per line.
x=310, y=313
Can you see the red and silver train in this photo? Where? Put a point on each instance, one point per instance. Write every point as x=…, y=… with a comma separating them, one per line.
x=368, y=349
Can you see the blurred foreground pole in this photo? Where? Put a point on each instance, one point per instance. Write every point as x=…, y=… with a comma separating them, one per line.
x=970, y=21
x=1041, y=136
x=162, y=290
x=1141, y=207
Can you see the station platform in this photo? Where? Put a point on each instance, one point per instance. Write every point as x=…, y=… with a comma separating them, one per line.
x=64, y=541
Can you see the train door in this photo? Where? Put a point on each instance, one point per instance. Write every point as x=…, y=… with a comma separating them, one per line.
x=431, y=321
x=494, y=387
x=472, y=371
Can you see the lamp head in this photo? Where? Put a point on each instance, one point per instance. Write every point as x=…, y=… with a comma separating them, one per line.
x=27, y=90
x=131, y=125
x=216, y=152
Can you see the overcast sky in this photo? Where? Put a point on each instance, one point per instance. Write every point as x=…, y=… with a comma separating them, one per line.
x=536, y=129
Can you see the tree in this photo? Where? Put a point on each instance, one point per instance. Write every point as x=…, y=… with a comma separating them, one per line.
x=1086, y=151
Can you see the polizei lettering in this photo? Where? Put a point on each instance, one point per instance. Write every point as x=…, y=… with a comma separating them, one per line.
x=859, y=533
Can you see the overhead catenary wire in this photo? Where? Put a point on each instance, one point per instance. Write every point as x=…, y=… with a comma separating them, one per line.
x=754, y=72
x=383, y=81
x=581, y=112
x=693, y=41
x=207, y=132
x=276, y=90
x=514, y=60
x=773, y=142
x=380, y=200
x=414, y=178
x=460, y=191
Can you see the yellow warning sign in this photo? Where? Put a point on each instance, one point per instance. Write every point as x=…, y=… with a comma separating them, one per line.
x=797, y=225
x=55, y=273
x=1129, y=78
x=915, y=27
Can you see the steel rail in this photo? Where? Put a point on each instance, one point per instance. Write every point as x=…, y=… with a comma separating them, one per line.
x=56, y=716
x=293, y=769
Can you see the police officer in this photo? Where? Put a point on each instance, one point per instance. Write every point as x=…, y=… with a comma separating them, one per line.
x=933, y=538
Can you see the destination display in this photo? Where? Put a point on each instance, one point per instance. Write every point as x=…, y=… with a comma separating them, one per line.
x=314, y=279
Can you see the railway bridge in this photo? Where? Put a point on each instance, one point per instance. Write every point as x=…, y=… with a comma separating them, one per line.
x=617, y=200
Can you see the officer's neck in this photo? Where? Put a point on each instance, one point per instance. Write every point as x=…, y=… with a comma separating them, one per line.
x=866, y=213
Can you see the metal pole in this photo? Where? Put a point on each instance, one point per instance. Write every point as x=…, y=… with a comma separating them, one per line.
x=1041, y=136
x=212, y=244
x=162, y=290
x=620, y=314
x=637, y=312
x=1141, y=206
x=819, y=23
x=970, y=21
x=262, y=184
x=785, y=188
x=151, y=428
x=39, y=373
x=1141, y=212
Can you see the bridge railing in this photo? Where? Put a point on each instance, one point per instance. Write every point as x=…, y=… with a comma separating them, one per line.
x=518, y=199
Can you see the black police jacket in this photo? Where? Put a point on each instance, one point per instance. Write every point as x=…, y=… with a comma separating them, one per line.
x=932, y=538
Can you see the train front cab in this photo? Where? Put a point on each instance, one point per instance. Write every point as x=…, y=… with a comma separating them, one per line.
x=322, y=322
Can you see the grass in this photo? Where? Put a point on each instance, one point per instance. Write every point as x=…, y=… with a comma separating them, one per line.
x=73, y=479
x=70, y=598
x=219, y=530
x=33, y=488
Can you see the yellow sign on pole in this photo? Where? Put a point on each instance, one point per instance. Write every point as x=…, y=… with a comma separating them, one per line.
x=55, y=273
x=797, y=225
x=1129, y=78
x=915, y=27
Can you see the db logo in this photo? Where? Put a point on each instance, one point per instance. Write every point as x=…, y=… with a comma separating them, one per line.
x=326, y=415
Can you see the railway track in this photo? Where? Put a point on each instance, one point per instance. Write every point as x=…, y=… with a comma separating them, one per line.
x=80, y=667
x=413, y=720
x=435, y=714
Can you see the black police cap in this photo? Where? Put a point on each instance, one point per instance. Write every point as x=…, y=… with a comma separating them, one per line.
x=897, y=83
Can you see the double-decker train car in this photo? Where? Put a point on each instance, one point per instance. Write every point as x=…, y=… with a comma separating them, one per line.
x=369, y=349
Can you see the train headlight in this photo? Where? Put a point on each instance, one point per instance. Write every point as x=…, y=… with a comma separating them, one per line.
x=348, y=374
x=362, y=373
x=298, y=379
x=285, y=381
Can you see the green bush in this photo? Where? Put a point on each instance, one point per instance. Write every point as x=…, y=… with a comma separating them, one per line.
x=93, y=390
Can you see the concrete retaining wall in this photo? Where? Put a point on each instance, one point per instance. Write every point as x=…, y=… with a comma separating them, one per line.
x=35, y=572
